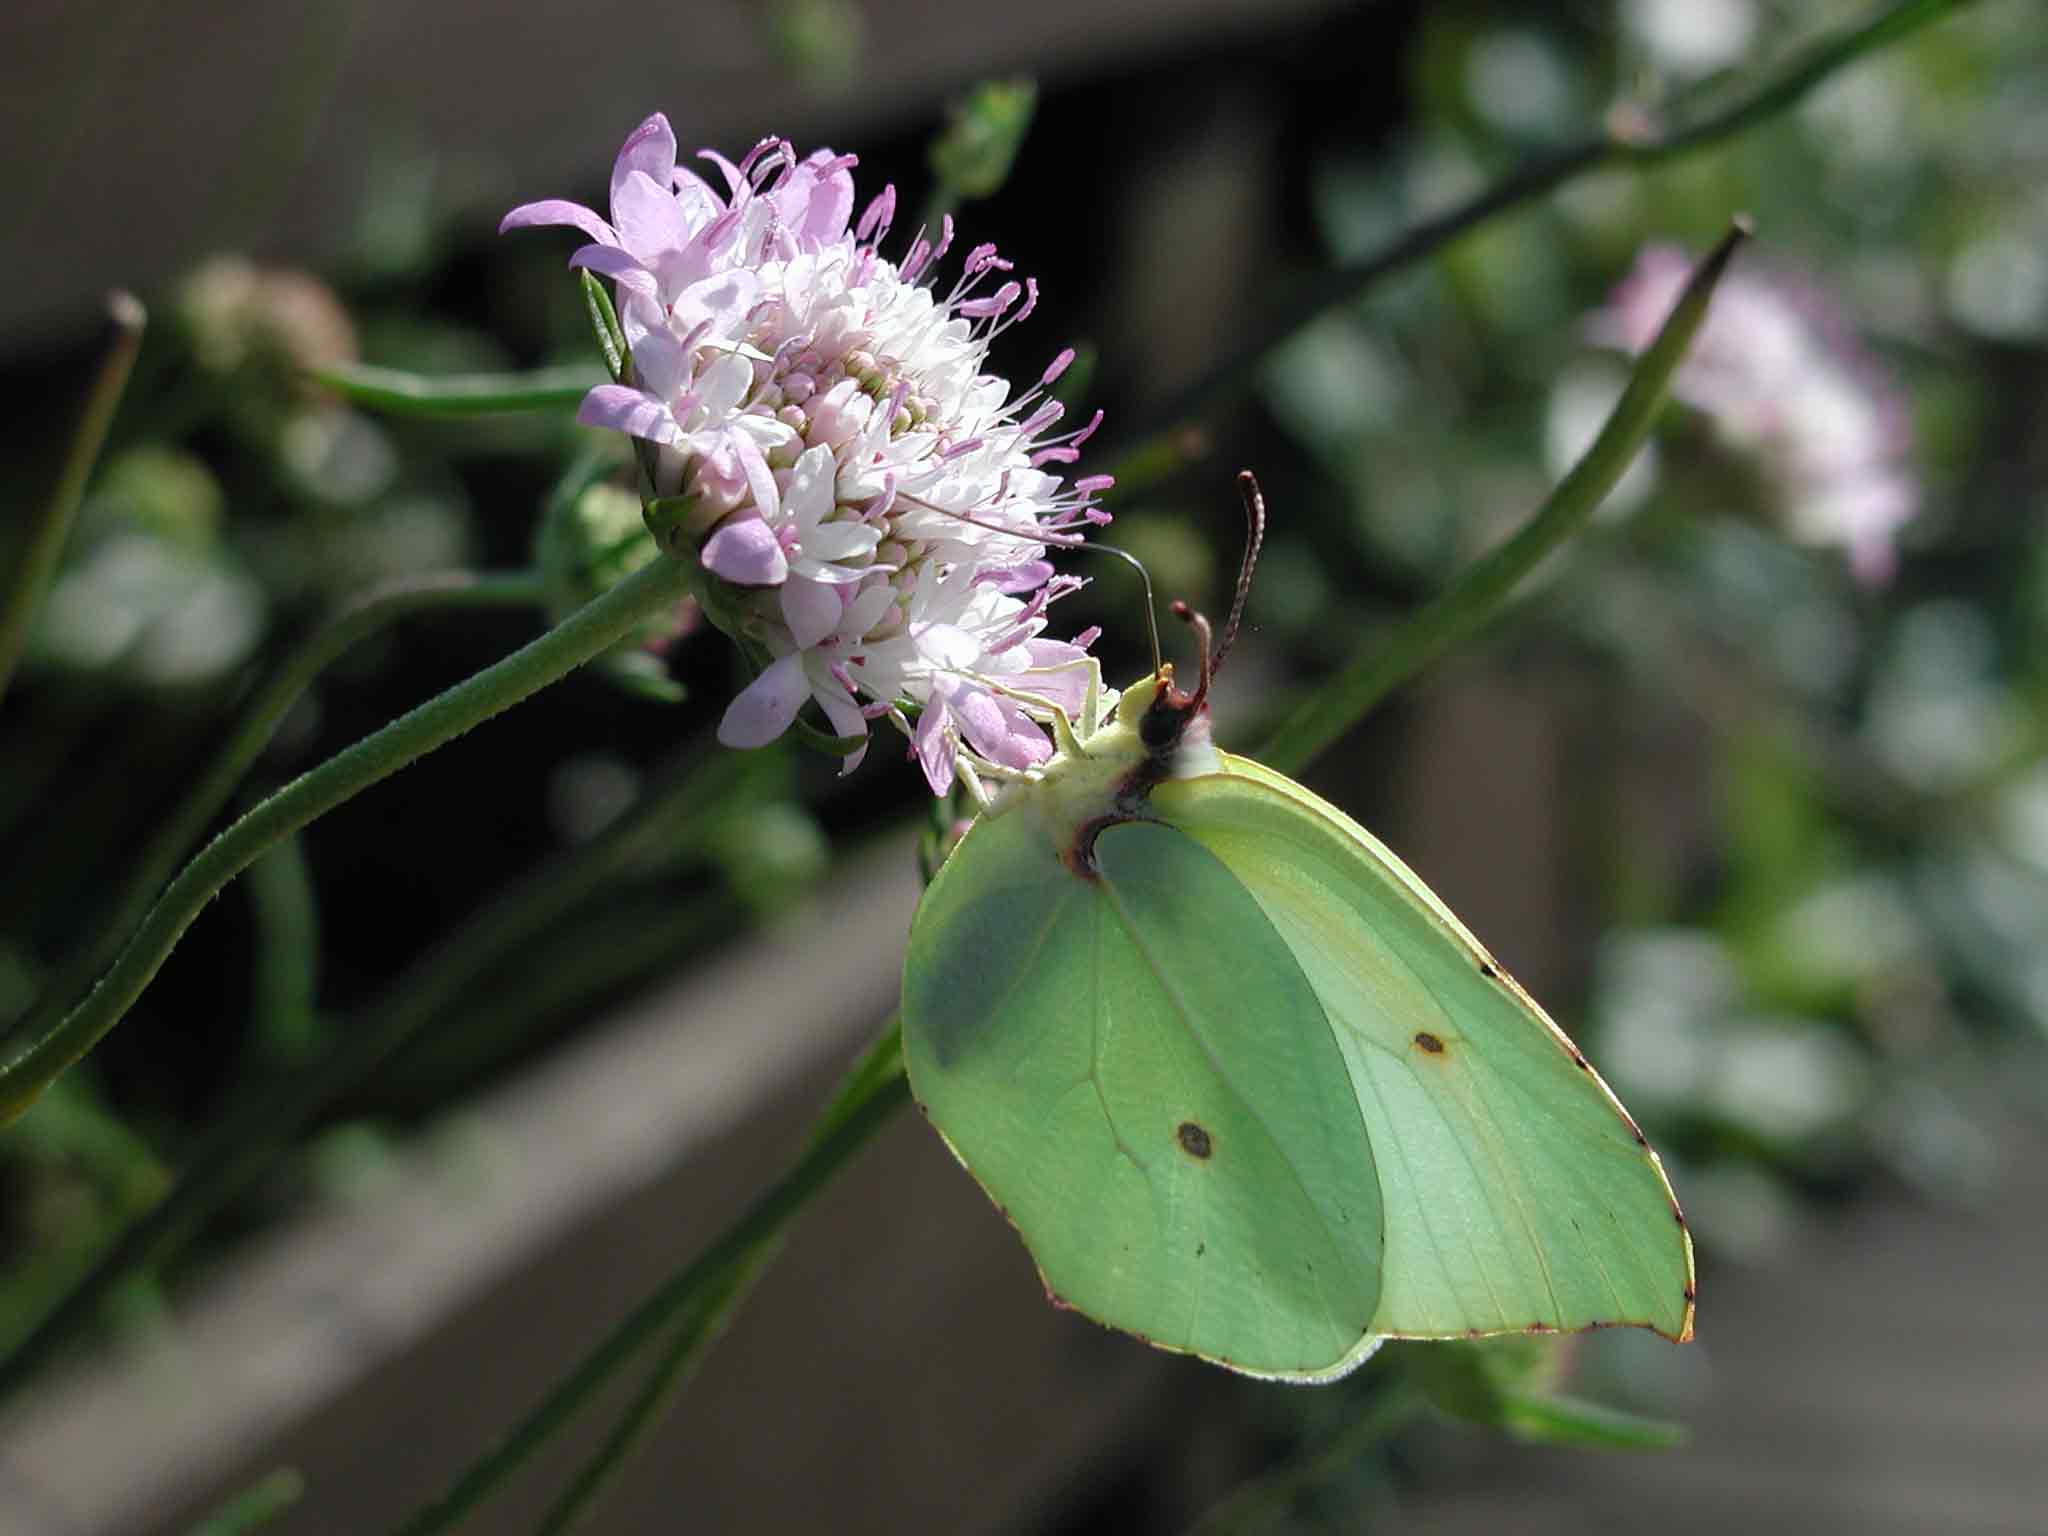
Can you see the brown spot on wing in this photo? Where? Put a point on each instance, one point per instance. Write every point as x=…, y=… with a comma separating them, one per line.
x=1425, y=1041
x=1195, y=1140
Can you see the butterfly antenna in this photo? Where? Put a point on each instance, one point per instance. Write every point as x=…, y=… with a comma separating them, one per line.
x=1254, y=541
x=1151, y=607
x=1205, y=656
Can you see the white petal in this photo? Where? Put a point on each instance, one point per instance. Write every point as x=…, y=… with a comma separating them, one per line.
x=809, y=497
x=811, y=610
x=723, y=385
x=834, y=542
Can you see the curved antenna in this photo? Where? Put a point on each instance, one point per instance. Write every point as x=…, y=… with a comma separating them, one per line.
x=1151, y=606
x=1254, y=541
x=1075, y=541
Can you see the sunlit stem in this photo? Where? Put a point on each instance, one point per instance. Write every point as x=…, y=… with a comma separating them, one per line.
x=1484, y=588
x=1627, y=138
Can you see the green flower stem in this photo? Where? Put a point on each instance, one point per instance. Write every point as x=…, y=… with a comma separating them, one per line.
x=240, y=1145
x=1623, y=140
x=696, y=1302
x=1484, y=588
x=21, y=591
x=145, y=876
x=585, y=634
x=397, y=393
x=704, y=1321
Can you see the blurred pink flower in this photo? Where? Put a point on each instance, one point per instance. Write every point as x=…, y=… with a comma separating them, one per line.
x=1784, y=378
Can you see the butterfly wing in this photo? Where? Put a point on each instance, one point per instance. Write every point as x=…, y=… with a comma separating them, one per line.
x=1139, y=1072
x=1517, y=1194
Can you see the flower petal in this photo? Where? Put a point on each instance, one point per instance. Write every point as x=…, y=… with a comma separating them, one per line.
x=746, y=552
x=631, y=411
x=618, y=266
x=935, y=745
x=555, y=210
x=645, y=214
x=718, y=303
x=1000, y=731
x=831, y=543
x=723, y=384
x=760, y=478
x=809, y=497
x=840, y=709
x=765, y=708
x=650, y=150
x=811, y=609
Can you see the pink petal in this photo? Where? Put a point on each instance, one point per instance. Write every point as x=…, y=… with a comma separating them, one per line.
x=760, y=478
x=999, y=730
x=745, y=551
x=555, y=210
x=722, y=301
x=623, y=409
x=650, y=150
x=617, y=265
x=847, y=720
x=1028, y=577
x=645, y=214
x=934, y=744
x=766, y=706
x=811, y=610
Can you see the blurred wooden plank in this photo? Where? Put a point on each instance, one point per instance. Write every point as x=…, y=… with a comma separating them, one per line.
x=139, y=135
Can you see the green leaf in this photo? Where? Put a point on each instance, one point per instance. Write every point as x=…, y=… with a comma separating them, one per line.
x=972, y=158
x=604, y=320
x=399, y=393
x=1574, y=1421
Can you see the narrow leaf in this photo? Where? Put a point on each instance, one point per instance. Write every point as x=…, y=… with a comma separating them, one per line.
x=1574, y=1421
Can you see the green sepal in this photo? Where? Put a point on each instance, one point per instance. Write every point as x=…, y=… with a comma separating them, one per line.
x=604, y=322
x=399, y=393
x=830, y=745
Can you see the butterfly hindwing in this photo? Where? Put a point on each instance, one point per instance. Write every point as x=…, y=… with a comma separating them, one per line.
x=1517, y=1192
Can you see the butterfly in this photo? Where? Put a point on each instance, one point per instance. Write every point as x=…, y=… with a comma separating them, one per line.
x=1244, y=1085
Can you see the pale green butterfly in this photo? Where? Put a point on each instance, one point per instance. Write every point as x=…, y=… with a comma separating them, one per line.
x=1245, y=1086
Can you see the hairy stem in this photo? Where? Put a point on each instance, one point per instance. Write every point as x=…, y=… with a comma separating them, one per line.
x=585, y=634
x=144, y=878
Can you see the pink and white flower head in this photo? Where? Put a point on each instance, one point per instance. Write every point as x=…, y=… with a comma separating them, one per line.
x=1779, y=370
x=882, y=505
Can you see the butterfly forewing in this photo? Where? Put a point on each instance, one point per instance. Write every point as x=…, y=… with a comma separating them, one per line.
x=1136, y=1067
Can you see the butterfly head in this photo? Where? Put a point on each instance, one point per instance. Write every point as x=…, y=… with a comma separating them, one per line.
x=1173, y=722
